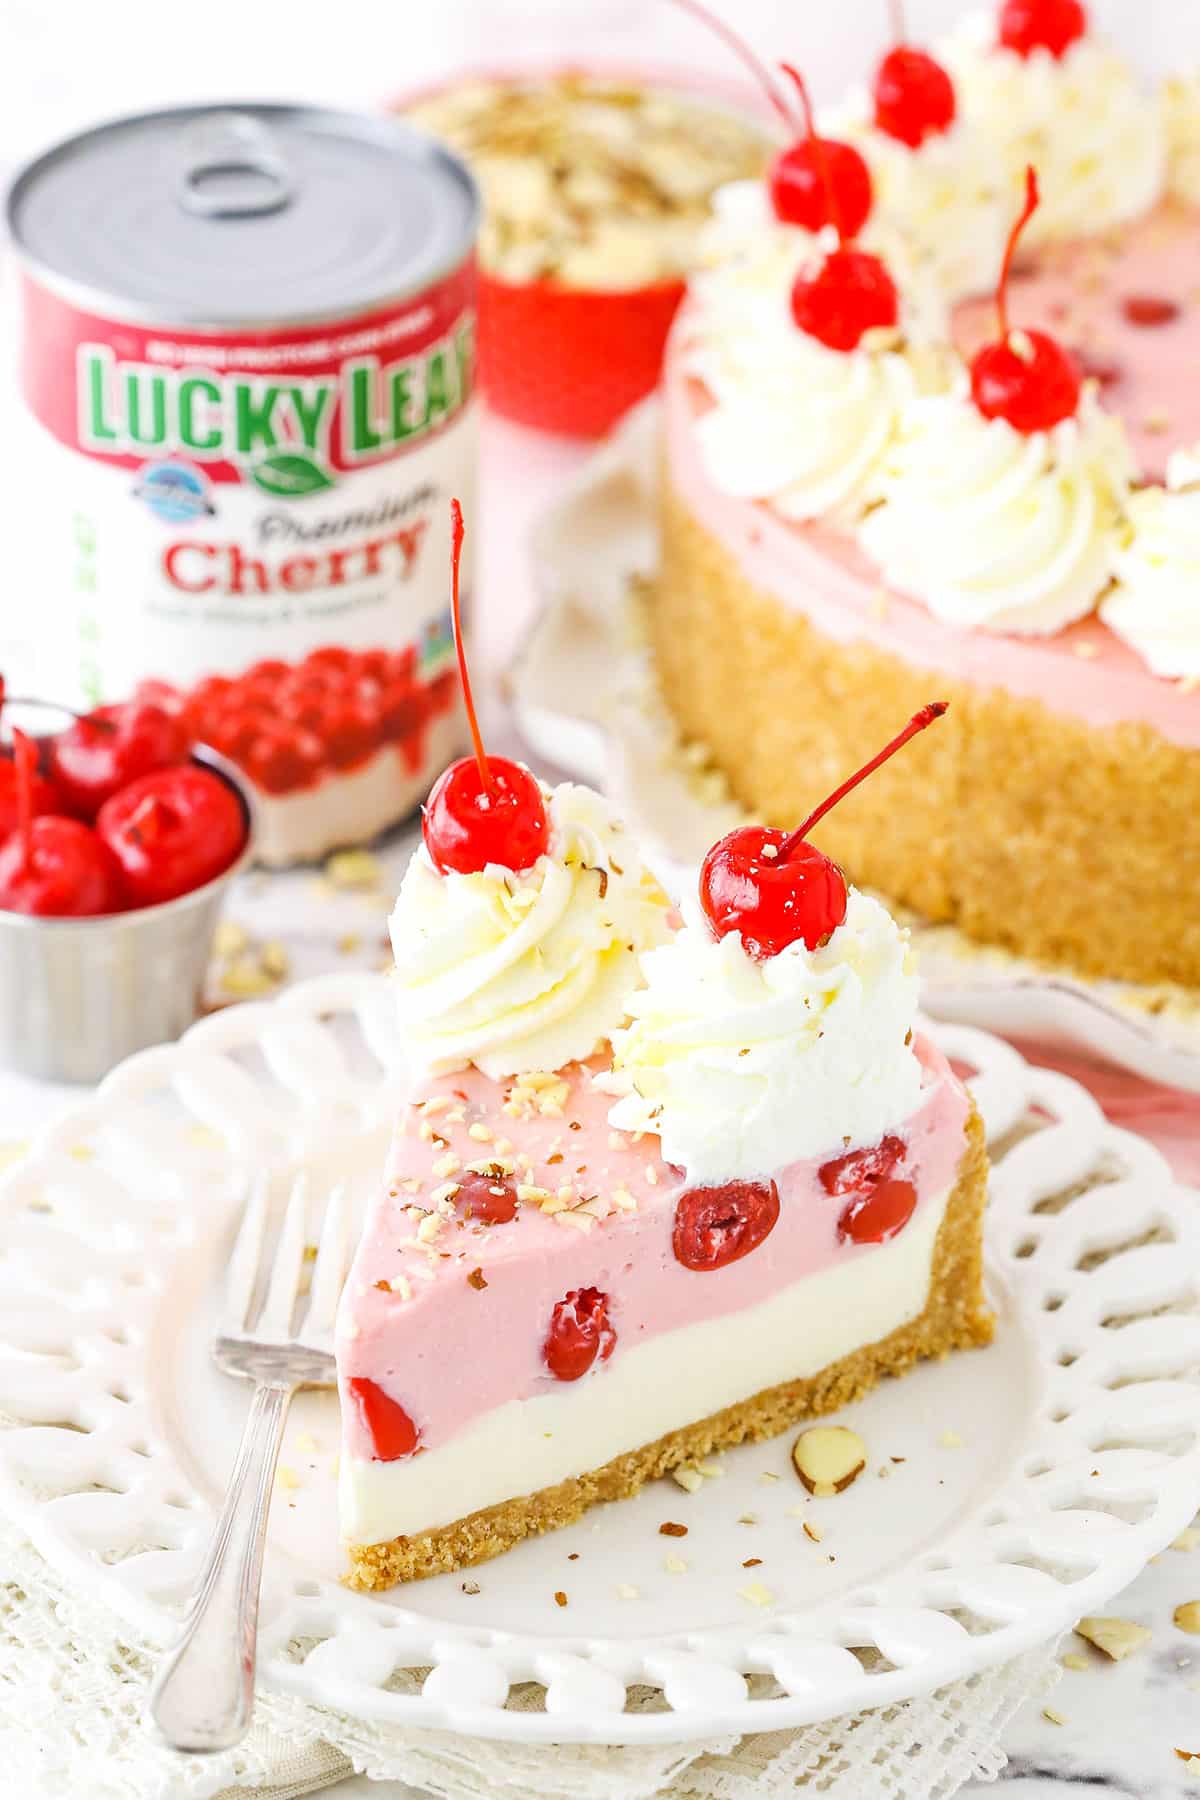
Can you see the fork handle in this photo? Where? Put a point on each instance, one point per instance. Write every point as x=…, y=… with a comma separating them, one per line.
x=203, y=1697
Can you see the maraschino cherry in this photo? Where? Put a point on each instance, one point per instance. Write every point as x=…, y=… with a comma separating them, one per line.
x=1053, y=25
x=820, y=181
x=391, y=1431
x=773, y=886
x=483, y=809
x=111, y=747
x=914, y=96
x=851, y=292
x=172, y=832
x=44, y=797
x=1027, y=379
x=801, y=178
x=53, y=867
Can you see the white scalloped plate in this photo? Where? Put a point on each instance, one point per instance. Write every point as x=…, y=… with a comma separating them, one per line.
x=1080, y=1428
x=584, y=696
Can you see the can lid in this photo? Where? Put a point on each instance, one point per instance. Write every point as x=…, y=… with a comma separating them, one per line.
x=244, y=216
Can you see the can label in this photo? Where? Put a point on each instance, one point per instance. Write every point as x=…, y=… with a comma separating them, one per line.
x=256, y=527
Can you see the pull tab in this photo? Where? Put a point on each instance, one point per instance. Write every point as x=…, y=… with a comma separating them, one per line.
x=233, y=169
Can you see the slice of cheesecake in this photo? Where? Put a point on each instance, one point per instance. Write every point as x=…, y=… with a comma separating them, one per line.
x=544, y=1314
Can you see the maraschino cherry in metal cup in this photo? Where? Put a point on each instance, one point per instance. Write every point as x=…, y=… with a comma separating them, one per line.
x=79, y=994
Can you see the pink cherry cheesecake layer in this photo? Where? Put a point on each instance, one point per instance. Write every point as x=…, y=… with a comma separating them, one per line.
x=451, y=1321
x=1085, y=670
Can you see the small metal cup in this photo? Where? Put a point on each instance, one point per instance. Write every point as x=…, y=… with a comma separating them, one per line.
x=77, y=996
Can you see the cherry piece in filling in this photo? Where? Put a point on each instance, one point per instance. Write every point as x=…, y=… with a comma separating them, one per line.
x=1026, y=378
x=53, y=867
x=1149, y=309
x=816, y=181
x=1053, y=25
x=488, y=1199
x=391, y=1431
x=172, y=832
x=716, y=1226
x=914, y=96
x=773, y=886
x=484, y=809
x=111, y=747
x=878, y=1214
x=580, y=1332
x=861, y=1168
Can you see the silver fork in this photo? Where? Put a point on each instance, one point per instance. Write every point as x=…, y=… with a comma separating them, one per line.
x=203, y=1697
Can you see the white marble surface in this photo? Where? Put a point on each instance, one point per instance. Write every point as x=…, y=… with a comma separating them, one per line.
x=66, y=62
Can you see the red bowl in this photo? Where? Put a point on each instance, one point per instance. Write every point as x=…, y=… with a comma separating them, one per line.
x=571, y=360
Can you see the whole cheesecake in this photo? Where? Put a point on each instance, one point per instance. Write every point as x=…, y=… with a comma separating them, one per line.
x=846, y=535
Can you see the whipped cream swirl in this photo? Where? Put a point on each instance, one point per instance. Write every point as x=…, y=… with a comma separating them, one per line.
x=530, y=969
x=791, y=421
x=995, y=529
x=1181, y=110
x=1155, y=605
x=743, y=1067
x=940, y=209
x=1096, y=138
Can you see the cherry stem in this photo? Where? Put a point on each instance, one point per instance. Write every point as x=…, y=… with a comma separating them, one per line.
x=896, y=8
x=741, y=49
x=1032, y=198
x=26, y=758
x=917, y=723
x=810, y=131
x=457, y=533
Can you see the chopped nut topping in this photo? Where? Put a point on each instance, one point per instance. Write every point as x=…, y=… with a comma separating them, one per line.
x=1116, y=1637
x=827, y=1458
x=690, y=1480
x=590, y=182
x=475, y=1279
x=560, y=1599
x=756, y=1594
x=669, y=1528
x=354, y=869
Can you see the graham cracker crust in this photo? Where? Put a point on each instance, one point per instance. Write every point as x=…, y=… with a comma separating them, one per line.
x=955, y=1317
x=1028, y=828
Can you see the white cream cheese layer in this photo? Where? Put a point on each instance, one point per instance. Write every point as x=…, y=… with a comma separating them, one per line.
x=742, y=1066
x=532, y=969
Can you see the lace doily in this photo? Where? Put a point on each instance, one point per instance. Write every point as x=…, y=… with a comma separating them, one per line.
x=73, y=1686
